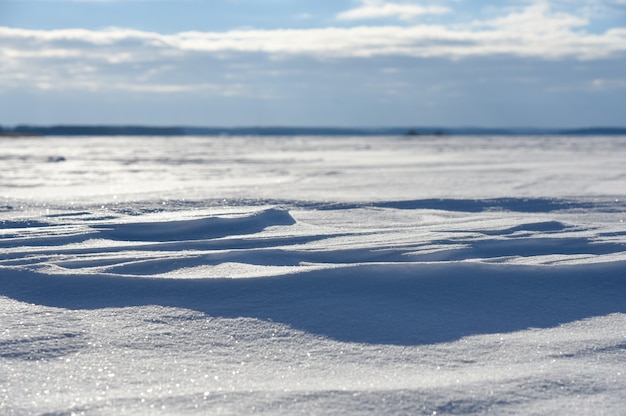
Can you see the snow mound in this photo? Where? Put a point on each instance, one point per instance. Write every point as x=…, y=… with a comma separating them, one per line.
x=197, y=229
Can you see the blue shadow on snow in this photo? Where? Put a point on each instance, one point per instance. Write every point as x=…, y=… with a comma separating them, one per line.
x=410, y=304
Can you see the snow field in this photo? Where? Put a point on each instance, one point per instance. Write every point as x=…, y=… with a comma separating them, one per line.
x=461, y=275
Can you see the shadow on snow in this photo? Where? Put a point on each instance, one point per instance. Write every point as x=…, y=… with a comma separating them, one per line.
x=408, y=304
x=400, y=302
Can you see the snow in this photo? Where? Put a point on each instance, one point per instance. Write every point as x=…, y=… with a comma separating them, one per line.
x=312, y=275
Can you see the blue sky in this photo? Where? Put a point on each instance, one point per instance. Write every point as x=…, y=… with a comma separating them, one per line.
x=538, y=63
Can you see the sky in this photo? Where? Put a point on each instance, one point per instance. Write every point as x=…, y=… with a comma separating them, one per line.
x=370, y=63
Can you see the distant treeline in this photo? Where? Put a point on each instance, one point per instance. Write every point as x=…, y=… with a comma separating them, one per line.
x=75, y=130
x=95, y=130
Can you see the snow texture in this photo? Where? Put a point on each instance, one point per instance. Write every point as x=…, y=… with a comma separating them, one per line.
x=313, y=275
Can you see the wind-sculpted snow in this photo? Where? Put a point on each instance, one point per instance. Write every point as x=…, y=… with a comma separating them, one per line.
x=196, y=229
x=411, y=304
x=406, y=270
x=373, y=298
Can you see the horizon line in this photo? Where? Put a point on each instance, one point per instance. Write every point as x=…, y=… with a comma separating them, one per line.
x=173, y=130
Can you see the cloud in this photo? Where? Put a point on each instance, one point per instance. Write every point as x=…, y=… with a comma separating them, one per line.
x=155, y=62
x=536, y=19
x=377, y=9
x=604, y=84
x=532, y=32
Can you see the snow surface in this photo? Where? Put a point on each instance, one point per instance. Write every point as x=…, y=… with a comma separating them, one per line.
x=313, y=275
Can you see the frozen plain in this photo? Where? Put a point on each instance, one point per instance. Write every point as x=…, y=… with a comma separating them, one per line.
x=312, y=275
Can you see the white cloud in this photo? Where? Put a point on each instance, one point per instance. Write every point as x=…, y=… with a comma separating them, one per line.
x=537, y=19
x=534, y=32
x=88, y=59
x=608, y=84
x=376, y=9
